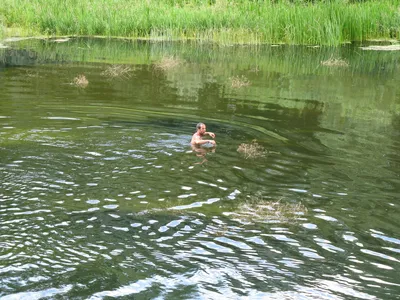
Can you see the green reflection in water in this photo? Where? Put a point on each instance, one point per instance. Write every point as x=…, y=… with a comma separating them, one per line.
x=106, y=175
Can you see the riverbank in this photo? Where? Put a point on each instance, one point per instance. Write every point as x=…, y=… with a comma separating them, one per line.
x=221, y=21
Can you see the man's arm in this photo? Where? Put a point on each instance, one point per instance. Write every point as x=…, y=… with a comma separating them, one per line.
x=210, y=134
x=199, y=141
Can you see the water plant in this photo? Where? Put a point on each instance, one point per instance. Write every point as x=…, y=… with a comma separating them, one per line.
x=239, y=81
x=335, y=62
x=258, y=209
x=80, y=81
x=167, y=63
x=252, y=150
x=32, y=74
x=117, y=71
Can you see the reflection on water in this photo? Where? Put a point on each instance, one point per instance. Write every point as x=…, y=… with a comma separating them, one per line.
x=201, y=152
x=102, y=195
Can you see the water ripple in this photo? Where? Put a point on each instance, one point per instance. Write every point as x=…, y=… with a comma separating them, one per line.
x=103, y=198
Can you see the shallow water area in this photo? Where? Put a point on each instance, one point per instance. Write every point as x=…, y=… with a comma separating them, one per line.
x=101, y=194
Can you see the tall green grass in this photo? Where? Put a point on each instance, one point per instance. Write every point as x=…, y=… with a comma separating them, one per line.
x=329, y=22
x=2, y=27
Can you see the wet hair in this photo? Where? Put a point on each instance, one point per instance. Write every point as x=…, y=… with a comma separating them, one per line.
x=198, y=126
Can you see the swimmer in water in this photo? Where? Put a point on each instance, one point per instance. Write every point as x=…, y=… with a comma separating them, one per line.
x=197, y=138
x=197, y=142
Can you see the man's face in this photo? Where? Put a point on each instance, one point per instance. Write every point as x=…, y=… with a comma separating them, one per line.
x=202, y=129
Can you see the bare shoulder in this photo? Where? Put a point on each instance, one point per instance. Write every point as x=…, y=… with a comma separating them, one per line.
x=195, y=138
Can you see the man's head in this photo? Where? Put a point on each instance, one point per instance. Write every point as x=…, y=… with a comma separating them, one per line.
x=201, y=128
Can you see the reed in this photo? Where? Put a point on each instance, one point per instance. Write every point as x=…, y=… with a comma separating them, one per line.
x=2, y=27
x=224, y=21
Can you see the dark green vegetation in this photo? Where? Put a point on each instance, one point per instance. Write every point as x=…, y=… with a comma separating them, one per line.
x=223, y=21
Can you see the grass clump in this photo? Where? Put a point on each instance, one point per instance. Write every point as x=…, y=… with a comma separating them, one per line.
x=167, y=63
x=335, y=62
x=238, y=82
x=252, y=150
x=31, y=74
x=257, y=209
x=80, y=81
x=117, y=71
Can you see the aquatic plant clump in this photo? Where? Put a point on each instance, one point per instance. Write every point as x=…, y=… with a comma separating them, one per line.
x=239, y=81
x=257, y=209
x=335, y=62
x=31, y=74
x=252, y=150
x=167, y=63
x=117, y=71
x=80, y=81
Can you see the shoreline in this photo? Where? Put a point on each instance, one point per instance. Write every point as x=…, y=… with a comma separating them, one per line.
x=65, y=38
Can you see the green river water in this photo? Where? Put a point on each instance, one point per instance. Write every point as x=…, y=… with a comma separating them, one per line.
x=102, y=197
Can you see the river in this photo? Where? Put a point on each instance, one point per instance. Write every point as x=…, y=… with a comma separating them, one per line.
x=101, y=195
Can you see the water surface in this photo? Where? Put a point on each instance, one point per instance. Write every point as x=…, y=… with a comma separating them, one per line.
x=102, y=196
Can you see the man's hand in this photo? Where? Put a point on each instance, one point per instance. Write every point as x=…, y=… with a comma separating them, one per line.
x=212, y=142
x=211, y=134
